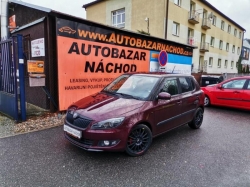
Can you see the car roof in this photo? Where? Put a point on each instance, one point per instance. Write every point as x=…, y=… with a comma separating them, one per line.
x=241, y=77
x=159, y=74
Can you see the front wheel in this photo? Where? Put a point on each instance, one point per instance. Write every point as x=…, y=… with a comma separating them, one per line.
x=197, y=120
x=139, y=140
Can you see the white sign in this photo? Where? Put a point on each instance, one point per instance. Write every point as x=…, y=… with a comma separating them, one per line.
x=37, y=47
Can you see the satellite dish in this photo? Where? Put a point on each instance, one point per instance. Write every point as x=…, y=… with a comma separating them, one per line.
x=211, y=15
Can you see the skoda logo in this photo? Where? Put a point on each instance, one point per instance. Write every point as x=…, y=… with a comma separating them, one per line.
x=75, y=115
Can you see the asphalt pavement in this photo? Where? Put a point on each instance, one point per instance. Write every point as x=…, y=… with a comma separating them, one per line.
x=216, y=155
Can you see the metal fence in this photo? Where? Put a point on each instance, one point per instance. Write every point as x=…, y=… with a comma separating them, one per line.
x=8, y=79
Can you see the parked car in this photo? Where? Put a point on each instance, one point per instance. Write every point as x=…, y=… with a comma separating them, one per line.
x=132, y=110
x=209, y=79
x=234, y=92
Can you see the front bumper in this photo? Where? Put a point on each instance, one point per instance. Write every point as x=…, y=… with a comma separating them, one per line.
x=90, y=139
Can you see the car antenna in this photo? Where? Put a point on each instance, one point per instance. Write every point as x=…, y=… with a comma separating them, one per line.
x=173, y=69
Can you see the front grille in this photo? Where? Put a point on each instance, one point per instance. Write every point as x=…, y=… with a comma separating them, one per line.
x=79, y=121
x=83, y=141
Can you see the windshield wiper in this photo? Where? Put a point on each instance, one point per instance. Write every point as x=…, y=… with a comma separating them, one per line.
x=128, y=95
x=109, y=92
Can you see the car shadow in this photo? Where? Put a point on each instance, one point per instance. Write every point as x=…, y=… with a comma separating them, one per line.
x=168, y=139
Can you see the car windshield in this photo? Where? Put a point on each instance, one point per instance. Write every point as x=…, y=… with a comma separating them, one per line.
x=133, y=86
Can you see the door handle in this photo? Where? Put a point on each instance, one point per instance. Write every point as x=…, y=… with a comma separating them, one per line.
x=179, y=102
x=236, y=92
x=196, y=102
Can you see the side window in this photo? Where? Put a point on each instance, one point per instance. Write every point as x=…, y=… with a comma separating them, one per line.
x=186, y=84
x=170, y=86
x=238, y=84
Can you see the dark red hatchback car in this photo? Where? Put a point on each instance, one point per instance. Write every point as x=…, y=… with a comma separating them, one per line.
x=132, y=110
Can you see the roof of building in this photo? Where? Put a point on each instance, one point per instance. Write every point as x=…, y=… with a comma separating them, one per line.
x=31, y=5
x=90, y=4
x=220, y=13
x=203, y=1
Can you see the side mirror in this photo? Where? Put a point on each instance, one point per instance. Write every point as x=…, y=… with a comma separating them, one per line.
x=219, y=86
x=164, y=96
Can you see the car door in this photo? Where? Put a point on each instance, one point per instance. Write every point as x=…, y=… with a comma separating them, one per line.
x=167, y=114
x=230, y=93
x=190, y=98
x=246, y=96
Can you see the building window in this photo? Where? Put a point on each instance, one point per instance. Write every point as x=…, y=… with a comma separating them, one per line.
x=235, y=32
x=219, y=63
x=233, y=49
x=227, y=47
x=238, y=50
x=221, y=44
x=214, y=20
x=222, y=25
x=229, y=29
x=190, y=36
x=232, y=64
x=239, y=35
x=225, y=65
x=175, y=29
x=177, y=2
x=212, y=41
x=210, y=63
x=118, y=18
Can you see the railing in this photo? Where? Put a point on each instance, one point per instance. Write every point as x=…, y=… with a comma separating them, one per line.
x=204, y=47
x=192, y=41
x=193, y=17
x=8, y=79
x=206, y=23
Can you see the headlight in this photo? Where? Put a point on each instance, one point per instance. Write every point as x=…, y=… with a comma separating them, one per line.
x=71, y=110
x=108, y=124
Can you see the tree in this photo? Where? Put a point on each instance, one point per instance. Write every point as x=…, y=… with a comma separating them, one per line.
x=239, y=65
x=247, y=69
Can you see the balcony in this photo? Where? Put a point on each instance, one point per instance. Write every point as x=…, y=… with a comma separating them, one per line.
x=206, y=24
x=193, y=17
x=204, y=47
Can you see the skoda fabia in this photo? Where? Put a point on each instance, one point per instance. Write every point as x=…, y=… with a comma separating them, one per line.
x=132, y=110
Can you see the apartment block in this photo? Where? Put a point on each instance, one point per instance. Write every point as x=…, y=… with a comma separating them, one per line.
x=217, y=37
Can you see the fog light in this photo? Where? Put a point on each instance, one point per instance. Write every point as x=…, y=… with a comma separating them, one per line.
x=106, y=142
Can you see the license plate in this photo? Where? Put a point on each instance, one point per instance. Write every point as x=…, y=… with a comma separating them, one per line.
x=74, y=132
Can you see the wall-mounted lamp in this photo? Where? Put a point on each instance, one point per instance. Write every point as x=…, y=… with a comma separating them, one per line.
x=147, y=20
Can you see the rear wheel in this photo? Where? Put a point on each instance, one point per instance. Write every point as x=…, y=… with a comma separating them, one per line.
x=206, y=101
x=139, y=140
x=197, y=120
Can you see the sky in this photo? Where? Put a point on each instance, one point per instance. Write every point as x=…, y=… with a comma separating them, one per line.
x=238, y=10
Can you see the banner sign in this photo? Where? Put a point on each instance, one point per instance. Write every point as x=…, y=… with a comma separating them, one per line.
x=37, y=47
x=34, y=66
x=90, y=57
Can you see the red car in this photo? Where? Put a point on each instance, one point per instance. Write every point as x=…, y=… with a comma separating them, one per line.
x=234, y=92
x=133, y=109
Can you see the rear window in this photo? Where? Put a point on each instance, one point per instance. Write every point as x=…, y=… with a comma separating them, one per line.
x=187, y=84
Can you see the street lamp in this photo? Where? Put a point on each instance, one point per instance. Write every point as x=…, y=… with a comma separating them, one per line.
x=147, y=20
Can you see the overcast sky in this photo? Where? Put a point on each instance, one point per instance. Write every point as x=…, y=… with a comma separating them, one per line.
x=237, y=10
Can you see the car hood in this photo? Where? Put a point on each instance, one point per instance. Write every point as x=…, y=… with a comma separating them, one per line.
x=209, y=87
x=212, y=85
x=103, y=106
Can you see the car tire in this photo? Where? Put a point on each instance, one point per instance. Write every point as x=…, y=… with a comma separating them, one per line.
x=206, y=101
x=197, y=120
x=139, y=140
